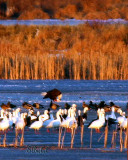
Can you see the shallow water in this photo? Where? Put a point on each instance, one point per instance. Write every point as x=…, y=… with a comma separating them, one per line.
x=18, y=91
x=69, y=22
x=74, y=91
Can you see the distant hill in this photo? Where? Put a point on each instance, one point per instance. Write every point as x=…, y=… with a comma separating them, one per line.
x=63, y=9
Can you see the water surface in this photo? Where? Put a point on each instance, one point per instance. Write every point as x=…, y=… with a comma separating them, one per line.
x=74, y=91
x=61, y=22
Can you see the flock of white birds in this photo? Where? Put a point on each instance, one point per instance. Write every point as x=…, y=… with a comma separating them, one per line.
x=65, y=118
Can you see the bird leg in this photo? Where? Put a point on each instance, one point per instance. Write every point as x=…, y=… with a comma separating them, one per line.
x=48, y=130
x=16, y=140
x=72, y=136
x=121, y=140
x=98, y=131
x=37, y=132
x=4, y=140
x=125, y=141
x=22, y=138
x=60, y=132
x=63, y=138
x=82, y=132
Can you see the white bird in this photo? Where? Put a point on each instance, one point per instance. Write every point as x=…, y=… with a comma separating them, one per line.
x=10, y=120
x=20, y=123
x=55, y=122
x=124, y=123
x=64, y=113
x=84, y=116
x=1, y=114
x=121, y=118
x=37, y=124
x=98, y=123
x=112, y=117
x=47, y=121
x=4, y=125
x=35, y=116
x=19, y=126
x=70, y=121
x=45, y=116
x=16, y=115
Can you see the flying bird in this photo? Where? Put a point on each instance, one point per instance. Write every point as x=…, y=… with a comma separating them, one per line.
x=54, y=95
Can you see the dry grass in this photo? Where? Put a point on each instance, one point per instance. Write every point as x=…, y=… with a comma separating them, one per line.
x=79, y=9
x=60, y=52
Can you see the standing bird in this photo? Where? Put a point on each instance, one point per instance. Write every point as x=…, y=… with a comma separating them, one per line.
x=10, y=105
x=27, y=106
x=67, y=106
x=38, y=106
x=103, y=105
x=49, y=119
x=81, y=121
x=4, y=125
x=124, y=124
x=98, y=123
x=93, y=106
x=85, y=105
x=56, y=122
x=37, y=124
x=65, y=113
x=54, y=95
x=7, y=106
x=112, y=117
x=4, y=106
x=19, y=126
x=54, y=106
x=71, y=123
x=84, y=116
x=115, y=106
x=121, y=118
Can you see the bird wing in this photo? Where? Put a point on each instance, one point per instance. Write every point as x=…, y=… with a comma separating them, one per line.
x=52, y=94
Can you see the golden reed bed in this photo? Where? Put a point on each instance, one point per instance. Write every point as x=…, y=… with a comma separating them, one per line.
x=66, y=9
x=64, y=52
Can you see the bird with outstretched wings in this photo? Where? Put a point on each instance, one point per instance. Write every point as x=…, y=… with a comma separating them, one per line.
x=54, y=95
